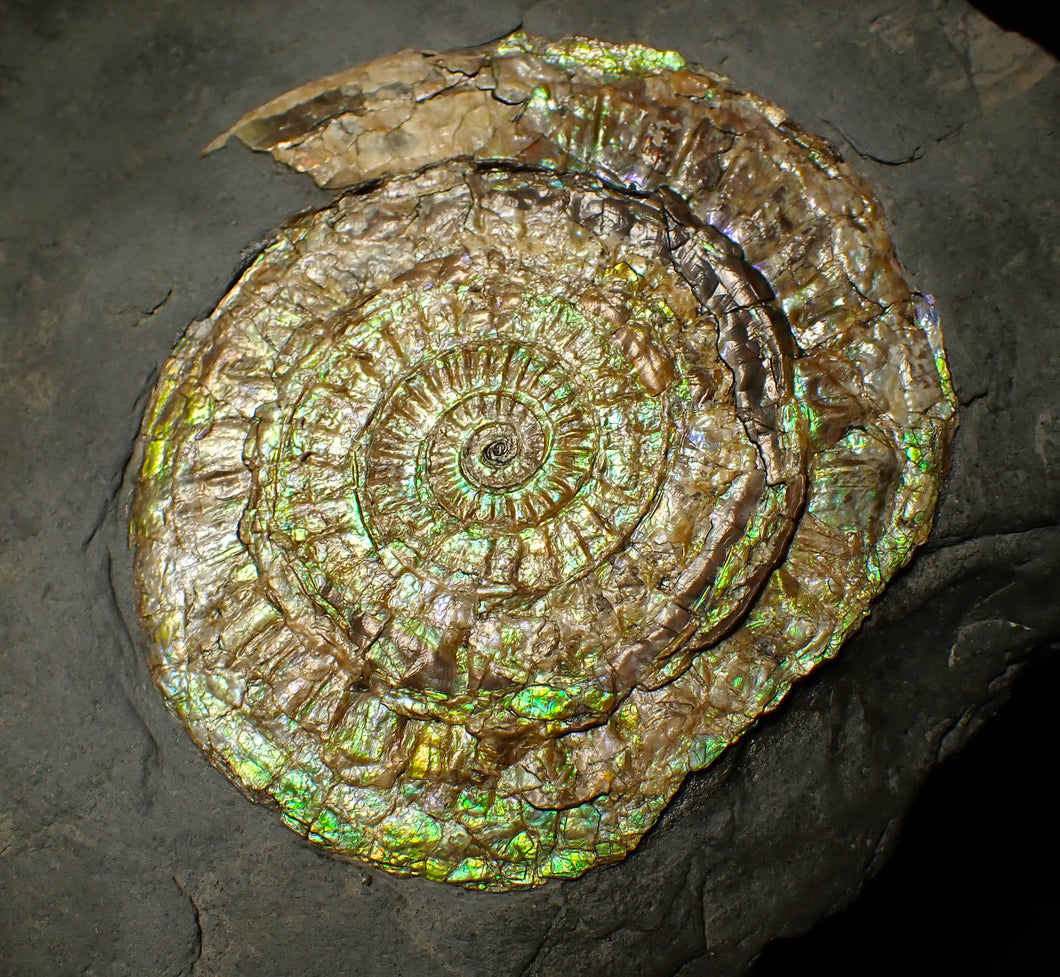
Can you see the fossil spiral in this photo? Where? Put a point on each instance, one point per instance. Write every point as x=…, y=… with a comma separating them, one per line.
x=512, y=486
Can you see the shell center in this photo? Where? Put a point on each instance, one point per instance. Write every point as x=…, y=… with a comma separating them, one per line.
x=501, y=455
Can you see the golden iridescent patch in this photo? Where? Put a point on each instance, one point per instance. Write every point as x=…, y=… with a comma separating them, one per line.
x=515, y=484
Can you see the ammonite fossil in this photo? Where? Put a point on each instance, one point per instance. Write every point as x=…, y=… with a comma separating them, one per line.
x=512, y=486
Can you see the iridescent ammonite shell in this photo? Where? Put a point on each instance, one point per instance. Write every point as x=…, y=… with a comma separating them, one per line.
x=512, y=486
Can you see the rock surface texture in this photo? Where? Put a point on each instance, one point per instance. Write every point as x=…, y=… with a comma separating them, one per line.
x=121, y=850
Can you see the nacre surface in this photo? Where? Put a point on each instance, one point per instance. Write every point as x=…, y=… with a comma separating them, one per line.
x=515, y=484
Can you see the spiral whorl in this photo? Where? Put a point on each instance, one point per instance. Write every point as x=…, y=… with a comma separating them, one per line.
x=516, y=483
